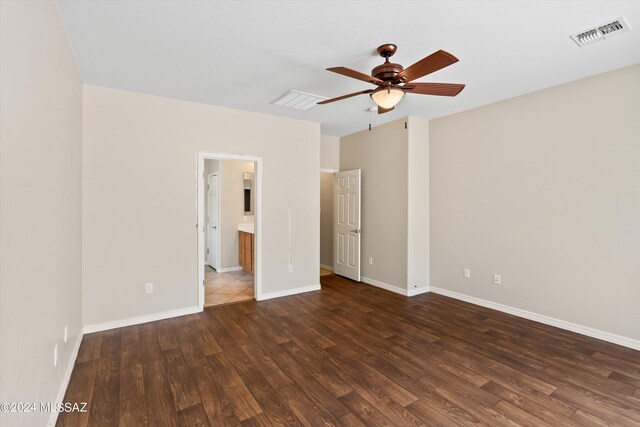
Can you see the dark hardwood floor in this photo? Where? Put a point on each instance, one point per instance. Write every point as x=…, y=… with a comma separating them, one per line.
x=352, y=355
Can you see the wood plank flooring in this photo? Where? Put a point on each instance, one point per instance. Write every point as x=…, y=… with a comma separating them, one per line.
x=352, y=355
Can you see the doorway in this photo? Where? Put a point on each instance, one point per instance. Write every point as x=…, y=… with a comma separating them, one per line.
x=229, y=207
x=326, y=221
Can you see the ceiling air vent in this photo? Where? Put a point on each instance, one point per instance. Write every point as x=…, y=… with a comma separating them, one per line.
x=601, y=32
x=298, y=100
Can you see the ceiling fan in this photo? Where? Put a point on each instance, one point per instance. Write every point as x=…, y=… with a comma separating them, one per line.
x=394, y=81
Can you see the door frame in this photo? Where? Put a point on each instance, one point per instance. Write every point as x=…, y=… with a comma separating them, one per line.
x=201, y=227
x=217, y=242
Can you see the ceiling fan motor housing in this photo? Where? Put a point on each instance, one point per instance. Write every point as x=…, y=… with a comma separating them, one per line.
x=387, y=71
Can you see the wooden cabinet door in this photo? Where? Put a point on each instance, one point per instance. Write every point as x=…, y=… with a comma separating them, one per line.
x=252, y=257
x=241, y=248
x=247, y=253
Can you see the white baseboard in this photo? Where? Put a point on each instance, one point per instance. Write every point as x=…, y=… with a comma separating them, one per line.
x=326, y=267
x=382, y=285
x=288, y=292
x=562, y=324
x=417, y=291
x=406, y=292
x=97, y=327
x=53, y=418
x=228, y=269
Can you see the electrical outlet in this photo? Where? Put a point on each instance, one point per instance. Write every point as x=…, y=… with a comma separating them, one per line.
x=467, y=273
x=496, y=279
x=149, y=288
x=290, y=268
x=66, y=331
x=370, y=260
x=55, y=355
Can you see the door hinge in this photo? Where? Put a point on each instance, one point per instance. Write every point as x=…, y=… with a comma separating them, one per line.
x=405, y=125
x=207, y=251
x=207, y=186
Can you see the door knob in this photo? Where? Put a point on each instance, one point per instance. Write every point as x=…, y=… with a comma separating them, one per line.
x=215, y=227
x=357, y=231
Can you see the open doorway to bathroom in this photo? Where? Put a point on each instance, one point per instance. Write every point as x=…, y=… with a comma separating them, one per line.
x=227, y=244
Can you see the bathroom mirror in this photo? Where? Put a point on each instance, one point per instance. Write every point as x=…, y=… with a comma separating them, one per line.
x=247, y=179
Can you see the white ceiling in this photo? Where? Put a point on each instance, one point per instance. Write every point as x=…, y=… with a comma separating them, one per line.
x=244, y=54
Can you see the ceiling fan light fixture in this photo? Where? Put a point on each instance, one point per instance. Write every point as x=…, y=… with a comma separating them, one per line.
x=387, y=97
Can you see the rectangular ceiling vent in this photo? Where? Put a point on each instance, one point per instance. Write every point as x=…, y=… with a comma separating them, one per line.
x=298, y=100
x=601, y=32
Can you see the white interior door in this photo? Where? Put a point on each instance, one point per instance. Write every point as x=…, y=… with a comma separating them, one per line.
x=212, y=221
x=346, y=220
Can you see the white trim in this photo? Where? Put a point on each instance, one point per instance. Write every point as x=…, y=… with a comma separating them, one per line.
x=288, y=292
x=229, y=269
x=562, y=324
x=407, y=293
x=417, y=291
x=325, y=170
x=62, y=390
x=200, y=217
x=326, y=267
x=97, y=327
x=379, y=284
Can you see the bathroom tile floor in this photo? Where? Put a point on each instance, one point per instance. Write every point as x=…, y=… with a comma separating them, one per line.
x=234, y=286
x=224, y=288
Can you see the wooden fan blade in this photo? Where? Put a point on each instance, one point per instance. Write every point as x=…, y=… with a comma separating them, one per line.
x=355, y=75
x=432, y=63
x=440, y=89
x=362, y=92
x=384, y=110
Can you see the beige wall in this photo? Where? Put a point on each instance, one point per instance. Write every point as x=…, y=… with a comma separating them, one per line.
x=382, y=155
x=40, y=206
x=544, y=189
x=326, y=219
x=329, y=152
x=154, y=142
x=232, y=209
x=418, y=204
